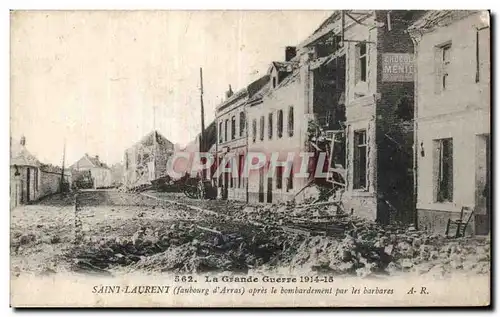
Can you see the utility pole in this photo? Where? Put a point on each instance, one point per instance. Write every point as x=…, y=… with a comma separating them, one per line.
x=155, y=148
x=202, y=137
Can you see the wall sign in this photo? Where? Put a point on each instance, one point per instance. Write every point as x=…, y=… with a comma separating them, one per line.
x=398, y=67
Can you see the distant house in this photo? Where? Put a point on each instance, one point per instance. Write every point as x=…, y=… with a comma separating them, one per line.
x=100, y=173
x=146, y=160
x=31, y=180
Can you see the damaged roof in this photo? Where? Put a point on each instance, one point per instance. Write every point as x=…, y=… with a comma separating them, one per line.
x=439, y=18
x=257, y=85
x=94, y=160
x=257, y=96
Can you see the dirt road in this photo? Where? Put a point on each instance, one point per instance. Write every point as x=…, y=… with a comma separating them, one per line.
x=111, y=232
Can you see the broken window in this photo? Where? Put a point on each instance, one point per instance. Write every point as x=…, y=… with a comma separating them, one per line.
x=280, y=123
x=242, y=123
x=279, y=177
x=262, y=128
x=226, y=126
x=361, y=69
x=290, y=121
x=445, y=62
x=220, y=132
x=233, y=127
x=444, y=164
x=405, y=108
x=270, y=126
x=360, y=160
x=254, y=130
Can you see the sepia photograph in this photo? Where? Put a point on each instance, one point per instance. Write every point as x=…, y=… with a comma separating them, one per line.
x=250, y=158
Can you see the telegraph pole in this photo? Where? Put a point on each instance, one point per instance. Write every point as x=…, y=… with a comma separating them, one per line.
x=202, y=135
x=202, y=138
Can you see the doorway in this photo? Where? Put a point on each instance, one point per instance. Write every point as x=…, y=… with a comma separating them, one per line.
x=483, y=175
x=261, y=185
x=28, y=189
x=269, y=189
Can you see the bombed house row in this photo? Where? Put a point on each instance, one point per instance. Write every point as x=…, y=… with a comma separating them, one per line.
x=391, y=104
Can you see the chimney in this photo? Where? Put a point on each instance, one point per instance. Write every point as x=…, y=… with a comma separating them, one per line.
x=290, y=52
x=23, y=141
x=229, y=93
x=97, y=157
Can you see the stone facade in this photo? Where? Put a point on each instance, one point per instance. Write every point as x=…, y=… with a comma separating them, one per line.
x=230, y=119
x=272, y=131
x=456, y=109
x=231, y=145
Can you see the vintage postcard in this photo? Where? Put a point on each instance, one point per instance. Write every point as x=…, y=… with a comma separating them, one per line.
x=250, y=158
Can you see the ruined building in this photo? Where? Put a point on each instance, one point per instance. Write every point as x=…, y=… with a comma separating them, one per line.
x=146, y=160
x=346, y=96
x=362, y=92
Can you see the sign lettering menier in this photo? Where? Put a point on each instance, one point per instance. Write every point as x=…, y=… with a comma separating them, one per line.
x=398, y=67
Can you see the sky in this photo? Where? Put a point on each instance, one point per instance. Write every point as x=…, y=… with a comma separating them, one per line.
x=98, y=81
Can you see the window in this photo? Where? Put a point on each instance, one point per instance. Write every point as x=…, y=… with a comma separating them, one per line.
x=220, y=132
x=445, y=62
x=270, y=126
x=444, y=165
x=274, y=82
x=226, y=126
x=242, y=123
x=360, y=160
x=254, y=130
x=279, y=177
x=126, y=160
x=233, y=127
x=361, y=69
x=290, y=121
x=280, y=123
x=262, y=128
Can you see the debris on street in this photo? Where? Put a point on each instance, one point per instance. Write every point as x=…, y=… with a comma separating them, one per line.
x=139, y=233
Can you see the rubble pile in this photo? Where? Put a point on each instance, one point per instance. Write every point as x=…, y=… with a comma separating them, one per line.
x=392, y=251
x=314, y=237
x=183, y=247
